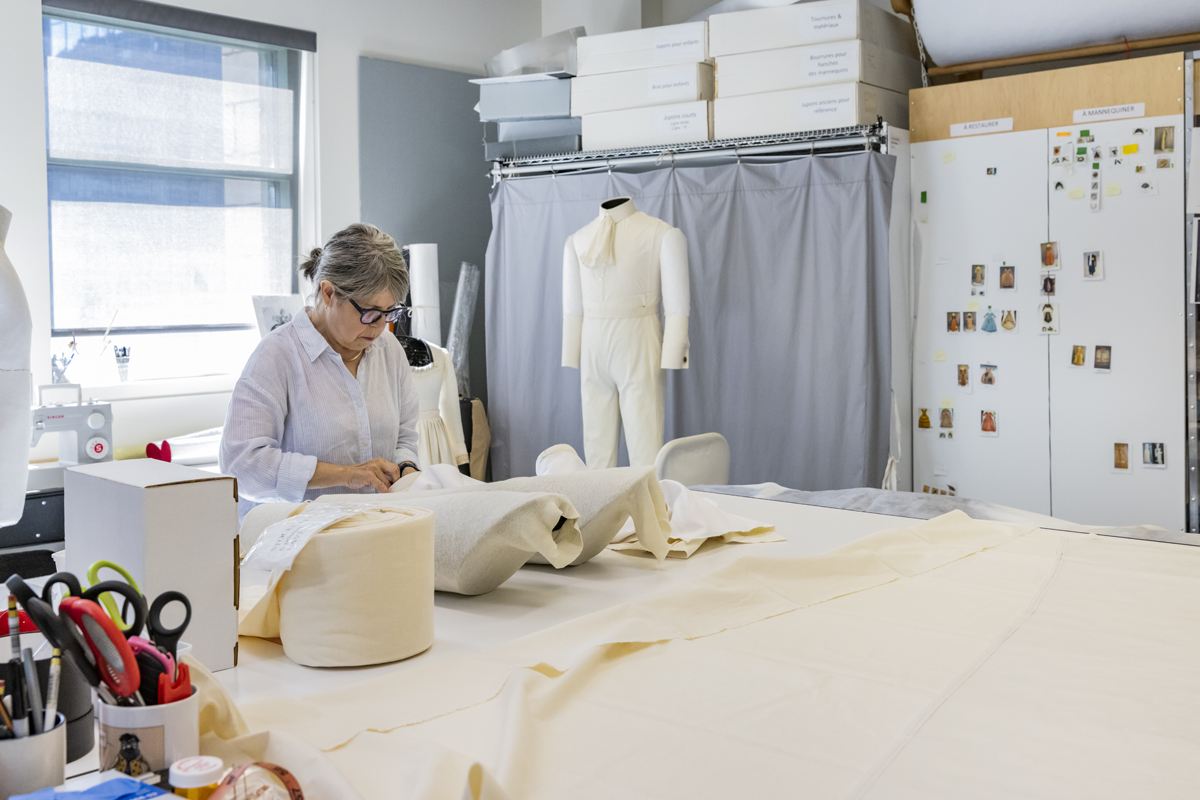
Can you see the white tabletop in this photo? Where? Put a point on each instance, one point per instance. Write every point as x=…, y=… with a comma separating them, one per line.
x=539, y=597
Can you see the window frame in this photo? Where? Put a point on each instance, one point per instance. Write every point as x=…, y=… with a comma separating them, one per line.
x=289, y=72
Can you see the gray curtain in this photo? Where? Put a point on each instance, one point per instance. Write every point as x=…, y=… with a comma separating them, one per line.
x=790, y=314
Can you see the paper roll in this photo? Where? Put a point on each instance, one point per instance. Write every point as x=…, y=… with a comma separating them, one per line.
x=426, y=300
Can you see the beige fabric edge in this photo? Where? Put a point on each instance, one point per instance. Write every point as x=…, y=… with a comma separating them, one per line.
x=747, y=591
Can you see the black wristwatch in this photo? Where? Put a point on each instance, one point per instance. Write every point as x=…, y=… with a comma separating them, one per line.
x=404, y=464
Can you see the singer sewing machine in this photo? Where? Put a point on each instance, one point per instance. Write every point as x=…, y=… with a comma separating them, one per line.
x=84, y=435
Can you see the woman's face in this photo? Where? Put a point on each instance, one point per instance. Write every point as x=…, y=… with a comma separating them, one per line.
x=343, y=320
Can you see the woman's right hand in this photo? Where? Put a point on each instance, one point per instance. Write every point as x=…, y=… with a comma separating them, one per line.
x=377, y=472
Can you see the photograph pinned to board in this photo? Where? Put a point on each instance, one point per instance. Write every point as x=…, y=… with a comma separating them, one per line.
x=964, y=378
x=1008, y=320
x=1163, y=163
x=1148, y=187
x=1079, y=355
x=1102, y=358
x=953, y=322
x=1050, y=255
x=978, y=279
x=1058, y=186
x=946, y=418
x=1120, y=457
x=989, y=321
x=1008, y=278
x=1085, y=136
x=1049, y=283
x=968, y=321
x=987, y=375
x=1139, y=168
x=989, y=423
x=1164, y=140
x=1154, y=455
x=1048, y=318
x=1113, y=152
x=923, y=420
x=1093, y=266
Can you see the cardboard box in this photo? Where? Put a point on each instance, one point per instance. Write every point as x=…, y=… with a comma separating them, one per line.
x=640, y=88
x=643, y=127
x=517, y=130
x=540, y=99
x=172, y=527
x=809, y=23
x=646, y=48
x=796, y=110
x=815, y=65
x=521, y=148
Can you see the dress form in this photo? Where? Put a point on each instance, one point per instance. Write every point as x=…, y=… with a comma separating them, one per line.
x=16, y=385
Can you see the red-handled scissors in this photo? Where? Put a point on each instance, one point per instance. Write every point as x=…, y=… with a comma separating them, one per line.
x=115, y=661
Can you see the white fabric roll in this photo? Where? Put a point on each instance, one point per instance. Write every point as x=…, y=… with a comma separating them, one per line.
x=359, y=593
x=16, y=386
x=960, y=31
x=426, y=300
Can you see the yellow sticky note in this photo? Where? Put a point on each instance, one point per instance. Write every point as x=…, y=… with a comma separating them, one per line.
x=1063, y=133
x=1075, y=194
x=939, y=355
x=947, y=157
x=973, y=305
x=1129, y=148
x=947, y=402
x=1112, y=189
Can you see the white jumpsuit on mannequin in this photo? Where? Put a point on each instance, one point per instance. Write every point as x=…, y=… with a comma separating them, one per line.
x=16, y=384
x=616, y=269
x=440, y=437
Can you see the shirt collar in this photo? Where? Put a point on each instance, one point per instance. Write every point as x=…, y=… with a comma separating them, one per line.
x=621, y=212
x=310, y=338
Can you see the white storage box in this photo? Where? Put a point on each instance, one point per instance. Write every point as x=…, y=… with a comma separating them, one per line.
x=809, y=23
x=639, y=88
x=686, y=43
x=815, y=65
x=517, y=130
x=172, y=527
x=674, y=124
x=524, y=99
x=817, y=107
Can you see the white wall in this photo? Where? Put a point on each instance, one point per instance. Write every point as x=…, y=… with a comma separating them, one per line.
x=598, y=16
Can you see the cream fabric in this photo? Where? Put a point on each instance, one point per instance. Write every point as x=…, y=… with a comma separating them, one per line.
x=439, y=428
x=483, y=538
x=481, y=440
x=955, y=658
x=615, y=271
x=360, y=592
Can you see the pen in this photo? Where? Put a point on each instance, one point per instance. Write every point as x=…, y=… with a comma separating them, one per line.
x=20, y=716
x=33, y=688
x=14, y=627
x=5, y=717
x=52, y=691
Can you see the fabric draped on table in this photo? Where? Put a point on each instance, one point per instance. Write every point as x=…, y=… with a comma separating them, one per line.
x=790, y=314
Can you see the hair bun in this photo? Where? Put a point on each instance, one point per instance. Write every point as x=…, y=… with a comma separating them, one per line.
x=308, y=267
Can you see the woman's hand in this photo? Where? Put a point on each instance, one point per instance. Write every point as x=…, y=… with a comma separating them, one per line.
x=378, y=472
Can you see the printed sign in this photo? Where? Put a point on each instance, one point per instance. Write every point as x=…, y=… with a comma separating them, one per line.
x=982, y=126
x=679, y=43
x=671, y=85
x=1124, y=111
x=683, y=123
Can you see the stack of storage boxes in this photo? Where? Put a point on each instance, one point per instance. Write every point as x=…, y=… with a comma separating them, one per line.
x=645, y=87
x=810, y=66
x=527, y=115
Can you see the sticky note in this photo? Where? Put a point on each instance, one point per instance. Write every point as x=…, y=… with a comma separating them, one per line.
x=939, y=355
x=1063, y=133
x=1129, y=148
x=1081, y=151
x=1075, y=194
x=1095, y=165
x=924, y=197
x=1085, y=133
x=1112, y=189
x=947, y=157
x=973, y=305
x=947, y=402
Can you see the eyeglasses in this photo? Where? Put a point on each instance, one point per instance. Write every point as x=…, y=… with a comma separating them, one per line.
x=369, y=316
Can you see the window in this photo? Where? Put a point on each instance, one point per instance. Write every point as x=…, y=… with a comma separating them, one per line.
x=172, y=176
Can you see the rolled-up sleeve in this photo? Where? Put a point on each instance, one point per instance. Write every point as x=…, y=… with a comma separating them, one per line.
x=410, y=412
x=251, y=446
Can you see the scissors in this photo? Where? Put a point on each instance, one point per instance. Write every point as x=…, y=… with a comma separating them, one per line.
x=114, y=658
x=110, y=605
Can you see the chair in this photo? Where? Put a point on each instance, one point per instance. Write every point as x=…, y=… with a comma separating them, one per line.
x=695, y=460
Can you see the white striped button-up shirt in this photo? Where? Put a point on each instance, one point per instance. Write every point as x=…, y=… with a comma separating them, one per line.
x=296, y=404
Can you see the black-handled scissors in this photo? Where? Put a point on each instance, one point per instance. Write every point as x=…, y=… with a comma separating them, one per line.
x=167, y=639
x=23, y=591
x=133, y=598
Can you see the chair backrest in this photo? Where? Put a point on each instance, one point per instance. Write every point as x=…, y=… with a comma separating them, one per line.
x=695, y=460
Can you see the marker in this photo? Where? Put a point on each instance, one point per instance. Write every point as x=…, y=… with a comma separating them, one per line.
x=33, y=688
x=52, y=691
x=14, y=627
x=20, y=716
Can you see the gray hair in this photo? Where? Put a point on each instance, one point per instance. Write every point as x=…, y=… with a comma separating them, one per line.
x=360, y=261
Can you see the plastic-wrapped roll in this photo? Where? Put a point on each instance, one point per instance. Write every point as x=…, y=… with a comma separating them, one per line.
x=962, y=31
x=359, y=593
x=16, y=384
x=426, y=300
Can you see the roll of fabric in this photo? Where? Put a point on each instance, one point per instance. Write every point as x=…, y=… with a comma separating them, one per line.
x=359, y=593
x=426, y=299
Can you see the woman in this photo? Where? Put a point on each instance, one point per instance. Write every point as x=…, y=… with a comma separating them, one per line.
x=326, y=403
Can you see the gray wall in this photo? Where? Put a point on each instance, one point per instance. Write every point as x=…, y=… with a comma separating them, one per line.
x=422, y=173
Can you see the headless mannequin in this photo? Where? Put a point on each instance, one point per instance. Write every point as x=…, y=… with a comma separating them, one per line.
x=616, y=270
x=16, y=385
x=440, y=430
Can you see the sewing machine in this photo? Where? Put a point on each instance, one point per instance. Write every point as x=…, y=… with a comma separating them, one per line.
x=84, y=435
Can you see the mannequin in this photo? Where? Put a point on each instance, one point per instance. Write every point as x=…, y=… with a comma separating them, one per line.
x=615, y=270
x=439, y=429
x=16, y=385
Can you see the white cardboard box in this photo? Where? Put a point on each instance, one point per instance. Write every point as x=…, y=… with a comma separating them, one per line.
x=634, y=127
x=815, y=65
x=809, y=23
x=793, y=110
x=645, y=48
x=172, y=527
x=639, y=88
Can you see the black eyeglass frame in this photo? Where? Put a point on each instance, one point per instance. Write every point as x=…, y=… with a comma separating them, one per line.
x=388, y=314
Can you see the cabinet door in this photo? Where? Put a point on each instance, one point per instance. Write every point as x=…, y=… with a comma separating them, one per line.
x=985, y=204
x=1137, y=310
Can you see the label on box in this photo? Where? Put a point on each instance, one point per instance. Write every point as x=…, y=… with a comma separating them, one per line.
x=838, y=62
x=679, y=43
x=280, y=543
x=671, y=85
x=981, y=126
x=683, y=123
x=831, y=103
x=1124, y=111
x=832, y=21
